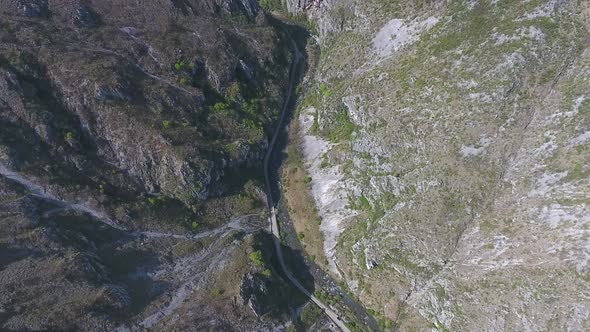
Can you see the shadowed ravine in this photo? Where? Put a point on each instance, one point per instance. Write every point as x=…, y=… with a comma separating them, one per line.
x=274, y=226
x=272, y=165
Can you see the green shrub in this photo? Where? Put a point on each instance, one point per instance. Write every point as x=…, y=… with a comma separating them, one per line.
x=267, y=273
x=220, y=107
x=156, y=200
x=250, y=123
x=256, y=258
x=251, y=107
x=326, y=92
x=342, y=128
x=166, y=124
x=69, y=136
x=179, y=65
x=217, y=292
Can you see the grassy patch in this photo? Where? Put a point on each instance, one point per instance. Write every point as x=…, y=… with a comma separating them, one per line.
x=341, y=128
x=273, y=5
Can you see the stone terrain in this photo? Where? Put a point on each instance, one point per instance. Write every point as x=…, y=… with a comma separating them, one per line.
x=447, y=143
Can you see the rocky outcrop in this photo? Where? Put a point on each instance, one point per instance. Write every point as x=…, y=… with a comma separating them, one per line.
x=450, y=136
x=251, y=288
x=33, y=8
x=303, y=6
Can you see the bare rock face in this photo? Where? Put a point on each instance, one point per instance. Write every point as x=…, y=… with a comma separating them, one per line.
x=251, y=289
x=86, y=17
x=251, y=7
x=33, y=8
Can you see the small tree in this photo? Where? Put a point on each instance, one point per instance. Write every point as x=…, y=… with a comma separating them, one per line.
x=256, y=258
x=219, y=107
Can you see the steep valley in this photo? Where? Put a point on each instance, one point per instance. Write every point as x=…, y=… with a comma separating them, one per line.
x=294, y=165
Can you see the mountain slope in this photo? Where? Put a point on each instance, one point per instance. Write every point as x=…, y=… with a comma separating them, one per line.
x=447, y=143
x=132, y=136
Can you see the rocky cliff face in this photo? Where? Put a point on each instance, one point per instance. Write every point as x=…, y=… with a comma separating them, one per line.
x=447, y=143
x=131, y=141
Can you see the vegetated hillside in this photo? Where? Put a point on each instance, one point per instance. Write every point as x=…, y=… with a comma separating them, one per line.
x=164, y=99
x=448, y=147
x=131, y=140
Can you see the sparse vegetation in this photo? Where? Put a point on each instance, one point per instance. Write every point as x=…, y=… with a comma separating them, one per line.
x=220, y=107
x=342, y=127
x=251, y=107
x=217, y=292
x=180, y=65
x=309, y=315
x=157, y=200
x=273, y=5
x=326, y=92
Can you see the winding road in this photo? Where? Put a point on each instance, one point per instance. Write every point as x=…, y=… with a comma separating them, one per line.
x=274, y=225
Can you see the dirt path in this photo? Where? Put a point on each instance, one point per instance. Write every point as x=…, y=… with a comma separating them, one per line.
x=243, y=223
